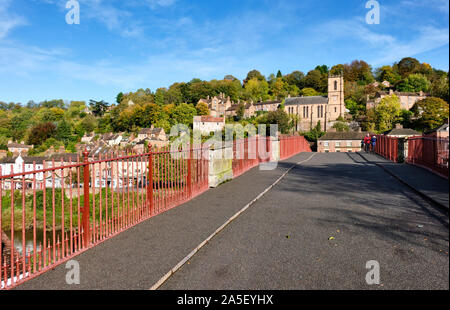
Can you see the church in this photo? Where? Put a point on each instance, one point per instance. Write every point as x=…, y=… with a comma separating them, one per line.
x=311, y=110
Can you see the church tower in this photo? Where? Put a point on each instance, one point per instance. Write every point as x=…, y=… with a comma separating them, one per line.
x=336, y=104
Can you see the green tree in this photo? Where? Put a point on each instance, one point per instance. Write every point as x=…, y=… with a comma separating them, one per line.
x=98, y=108
x=64, y=131
x=415, y=83
x=430, y=113
x=279, y=117
x=387, y=73
x=308, y=92
x=387, y=113
x=254, y=74
x=184, y=114
x=407, y=66
x=341, y=126
x=257, y=89
x=119, y=98
x=440, y=88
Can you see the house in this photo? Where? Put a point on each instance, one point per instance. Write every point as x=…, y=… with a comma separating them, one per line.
x=112, y=139
x=440, y=132
x=384, y=84
x=407, y=99
x=19, y=164
x=217, y=105
x=400, y=132
x=18, y=148
x=267, y=106
x=310, y=110
x=208, y=124
x=88, y=138
x=152, y=134
x=344, y=142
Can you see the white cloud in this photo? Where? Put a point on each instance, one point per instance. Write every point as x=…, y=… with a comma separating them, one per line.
x=8, y=20
x=383, y=47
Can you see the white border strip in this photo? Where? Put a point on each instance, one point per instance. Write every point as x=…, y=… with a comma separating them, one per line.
x=218, y=230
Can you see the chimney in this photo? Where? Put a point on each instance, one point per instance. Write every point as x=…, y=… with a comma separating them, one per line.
x=391, y=92
x=398, y=126
x=421, y=93
x=152, y=127
x=22, y=142
x=10, y=141
x=62, y=149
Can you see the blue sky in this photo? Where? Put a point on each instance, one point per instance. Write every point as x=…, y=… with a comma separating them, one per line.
x=125, y=45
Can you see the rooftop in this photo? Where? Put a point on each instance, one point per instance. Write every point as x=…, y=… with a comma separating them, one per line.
x=306, y=100
x=344, y=135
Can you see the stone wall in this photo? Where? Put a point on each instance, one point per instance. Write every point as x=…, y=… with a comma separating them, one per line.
x=221, y=163
x=220, y=166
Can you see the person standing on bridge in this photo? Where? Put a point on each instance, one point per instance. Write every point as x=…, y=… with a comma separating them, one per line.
x=367, y=142
x=374, y=143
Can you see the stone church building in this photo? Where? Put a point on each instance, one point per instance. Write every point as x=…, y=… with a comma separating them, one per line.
x=311, y=110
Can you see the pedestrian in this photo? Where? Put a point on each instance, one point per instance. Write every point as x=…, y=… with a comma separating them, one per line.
x=367, y=141
x=374, y=143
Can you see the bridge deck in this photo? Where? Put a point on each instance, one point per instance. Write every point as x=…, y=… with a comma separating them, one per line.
x=282, y=241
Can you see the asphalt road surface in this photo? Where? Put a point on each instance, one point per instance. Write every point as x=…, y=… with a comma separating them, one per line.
x=316, y=229
x=282, y=242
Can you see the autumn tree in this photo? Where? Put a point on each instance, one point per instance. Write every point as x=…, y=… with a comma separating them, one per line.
x=41, y=132
x=202, y=109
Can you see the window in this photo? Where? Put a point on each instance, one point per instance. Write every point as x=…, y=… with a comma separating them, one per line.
x=335, y=110
x=327, y=151
x=338, y=144
x=318, y=111
x=326, y=144
x=335, y=85
x=349, y=143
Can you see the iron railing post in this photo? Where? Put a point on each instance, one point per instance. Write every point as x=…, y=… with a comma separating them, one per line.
x=150, y=181
x=189, y=173
x=85, y=217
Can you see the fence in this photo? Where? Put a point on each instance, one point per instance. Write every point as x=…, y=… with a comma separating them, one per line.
x=87, y=203
x=291, y=145
x=52, y=211
x=429, y=152
x=248, y=153
x=387, y=147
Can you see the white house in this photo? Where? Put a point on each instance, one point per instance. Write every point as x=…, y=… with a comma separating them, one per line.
x=208, y=124
x=19, y=164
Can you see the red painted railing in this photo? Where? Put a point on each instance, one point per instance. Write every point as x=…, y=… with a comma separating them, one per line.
x=53, y=211
x=429, y=152
x=292, y=145
x=387, y=147
x=249, y=153
x=51, y=214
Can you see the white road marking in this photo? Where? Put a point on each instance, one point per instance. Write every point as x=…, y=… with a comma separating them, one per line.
x=218, y=230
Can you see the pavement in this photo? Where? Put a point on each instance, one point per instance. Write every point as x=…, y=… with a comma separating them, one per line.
x=316, y=229
x=419, y=179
